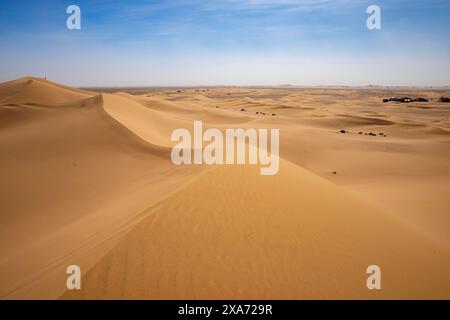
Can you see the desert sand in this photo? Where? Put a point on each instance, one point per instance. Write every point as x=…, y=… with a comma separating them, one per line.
x=86, y=178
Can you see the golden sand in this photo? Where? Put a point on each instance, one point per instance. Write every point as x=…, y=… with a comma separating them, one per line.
x=86, y=178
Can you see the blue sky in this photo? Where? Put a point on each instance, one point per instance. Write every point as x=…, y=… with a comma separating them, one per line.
x=227, y=42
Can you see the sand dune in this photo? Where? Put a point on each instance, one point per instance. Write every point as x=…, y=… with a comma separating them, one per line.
x=153, y=126
x=86, y=179
x=34, y=91
x=234, y=234
x=71, y=178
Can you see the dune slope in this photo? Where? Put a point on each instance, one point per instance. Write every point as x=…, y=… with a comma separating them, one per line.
x=72, y=179
x=233, y=234
x=35, y=91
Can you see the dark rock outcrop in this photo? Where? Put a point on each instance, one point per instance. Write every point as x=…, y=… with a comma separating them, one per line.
x=420, y=99
x=405, y=99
